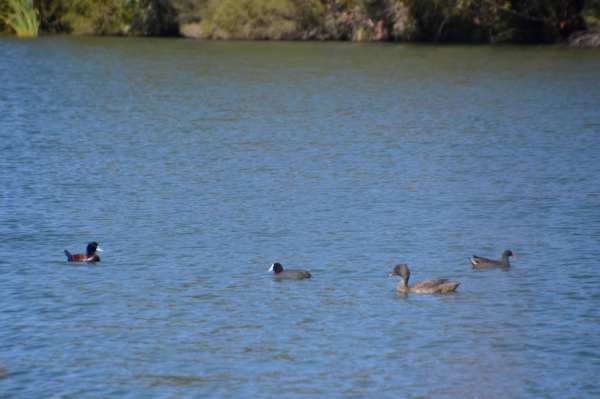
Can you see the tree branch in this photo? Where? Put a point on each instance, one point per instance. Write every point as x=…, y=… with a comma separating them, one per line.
x=514, y=13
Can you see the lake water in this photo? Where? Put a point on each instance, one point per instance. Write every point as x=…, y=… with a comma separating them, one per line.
x=196, y=165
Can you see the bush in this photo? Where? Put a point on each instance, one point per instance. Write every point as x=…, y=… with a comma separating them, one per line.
x=154, y=18
x=257, y=19
x=97, y=17
x=474, y=21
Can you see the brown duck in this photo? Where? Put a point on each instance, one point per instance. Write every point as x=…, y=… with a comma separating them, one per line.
x=89, y=256
x=424, y=286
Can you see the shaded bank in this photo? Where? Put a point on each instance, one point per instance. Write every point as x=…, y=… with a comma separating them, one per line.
x=440, y=21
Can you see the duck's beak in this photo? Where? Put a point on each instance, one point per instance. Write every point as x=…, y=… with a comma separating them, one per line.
x=99, y=249
x=271, y=269
x=391, y=274
x=514, y=256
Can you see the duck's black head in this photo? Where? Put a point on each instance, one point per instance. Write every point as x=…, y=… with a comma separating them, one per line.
x=276, y=267
x=92, y=248
x=508, y=253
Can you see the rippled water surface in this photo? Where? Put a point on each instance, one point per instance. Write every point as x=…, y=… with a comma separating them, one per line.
x=196, y=165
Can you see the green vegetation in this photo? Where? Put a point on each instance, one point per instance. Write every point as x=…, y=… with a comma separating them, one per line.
x=257, y=19
x=22, y=18
x=440, y=21
x=591, y=13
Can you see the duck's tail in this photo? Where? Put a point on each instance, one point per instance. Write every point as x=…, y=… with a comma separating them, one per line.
x=68, y=255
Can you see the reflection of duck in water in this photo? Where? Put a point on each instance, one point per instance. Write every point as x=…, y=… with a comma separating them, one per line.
x=278, y=272
x=482, y=263
x=89, y=256
x=421, y=287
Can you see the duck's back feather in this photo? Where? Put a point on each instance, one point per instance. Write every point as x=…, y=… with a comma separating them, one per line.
x=429, y=283
x=433, y=286
x=479, y=262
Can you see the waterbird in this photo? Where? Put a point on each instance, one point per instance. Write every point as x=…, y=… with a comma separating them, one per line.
x=90, y=254
x=482, y=263
x=278, y=272
x=424, y=286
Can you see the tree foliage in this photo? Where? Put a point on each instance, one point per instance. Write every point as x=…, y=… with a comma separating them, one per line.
x=471, y=21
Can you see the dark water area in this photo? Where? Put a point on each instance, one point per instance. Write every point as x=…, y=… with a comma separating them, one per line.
x=196, y=165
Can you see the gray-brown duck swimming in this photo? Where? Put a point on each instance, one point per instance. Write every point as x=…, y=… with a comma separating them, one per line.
x=423, y=286
x=483, y=263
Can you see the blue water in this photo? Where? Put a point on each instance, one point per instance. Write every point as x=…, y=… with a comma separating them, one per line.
x=196, y=165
